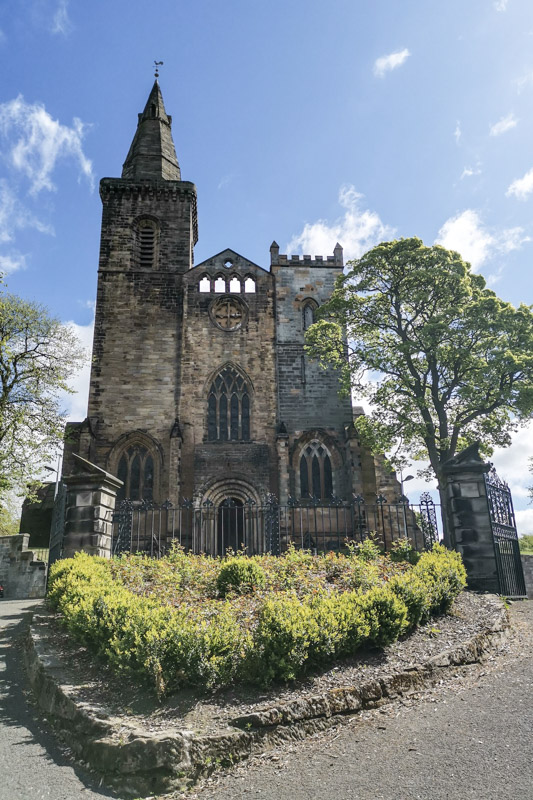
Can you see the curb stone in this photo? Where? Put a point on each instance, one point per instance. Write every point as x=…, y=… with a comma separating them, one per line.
x=139, y=763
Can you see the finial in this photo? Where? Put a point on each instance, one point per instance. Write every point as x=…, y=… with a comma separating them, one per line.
x=157, y=65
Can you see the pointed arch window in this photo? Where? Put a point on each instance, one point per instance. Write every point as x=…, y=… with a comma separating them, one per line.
x=136, y=471
x=228, y=407
x=316, y=474
x=146, y=243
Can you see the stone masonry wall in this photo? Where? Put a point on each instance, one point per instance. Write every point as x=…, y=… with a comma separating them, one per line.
x=527, y=564
x=21, y=575
x=206, y=349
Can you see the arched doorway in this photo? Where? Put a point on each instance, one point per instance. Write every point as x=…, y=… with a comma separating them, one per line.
x=230, y=525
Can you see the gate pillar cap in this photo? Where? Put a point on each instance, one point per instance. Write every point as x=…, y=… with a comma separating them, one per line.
x=87, y=472
x=467, y=460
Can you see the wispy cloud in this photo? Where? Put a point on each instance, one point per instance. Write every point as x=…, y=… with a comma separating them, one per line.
x=524, y=81
x=521, y=187
x=76, y=404
x=468, y=172
x=357, y=230
x=392, y=61
x=15, y=216
x=60, y=21
x=477, y=244
x=36, y=142
x=503, y=125
x=500, y=5
x=457, y=132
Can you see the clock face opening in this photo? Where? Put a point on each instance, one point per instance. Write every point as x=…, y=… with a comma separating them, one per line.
x=228, y=313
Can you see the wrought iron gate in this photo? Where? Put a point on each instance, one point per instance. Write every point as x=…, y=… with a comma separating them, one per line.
x=505, y=536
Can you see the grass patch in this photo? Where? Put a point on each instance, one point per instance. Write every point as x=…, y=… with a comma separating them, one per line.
x=205, y=622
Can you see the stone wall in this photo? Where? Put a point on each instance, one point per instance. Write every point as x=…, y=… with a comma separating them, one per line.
x=21, y=574
x=527, y=564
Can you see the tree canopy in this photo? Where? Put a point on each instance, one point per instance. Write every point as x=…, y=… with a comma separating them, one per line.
x=443, y=361
x=38, y=356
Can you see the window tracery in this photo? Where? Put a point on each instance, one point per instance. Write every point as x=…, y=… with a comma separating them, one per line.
x=316, y=475
x=136, y=471
x=228, y=407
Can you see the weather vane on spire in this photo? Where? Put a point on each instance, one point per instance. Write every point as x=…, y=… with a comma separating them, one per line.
x=157, y=65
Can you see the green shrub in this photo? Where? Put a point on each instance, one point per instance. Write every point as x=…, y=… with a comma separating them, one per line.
x=385, y=613
x=367, y=550
x=241, y=575
x=210, y=642
x=403, y=550
x=444, y=576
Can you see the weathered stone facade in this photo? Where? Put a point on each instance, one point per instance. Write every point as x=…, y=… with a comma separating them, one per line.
x=200, y=387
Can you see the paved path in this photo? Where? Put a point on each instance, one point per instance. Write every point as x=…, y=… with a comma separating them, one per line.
x=32, y=765
x=469, y=739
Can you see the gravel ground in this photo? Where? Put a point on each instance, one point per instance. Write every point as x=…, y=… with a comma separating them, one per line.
x=469, y=737
x=210, y=713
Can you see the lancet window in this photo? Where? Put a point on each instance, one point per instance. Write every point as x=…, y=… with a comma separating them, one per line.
x=228, y=407
x=308, y=314
x=136, y=471
x=316, y=476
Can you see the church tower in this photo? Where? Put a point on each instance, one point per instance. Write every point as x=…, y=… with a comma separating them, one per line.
x=149, y=229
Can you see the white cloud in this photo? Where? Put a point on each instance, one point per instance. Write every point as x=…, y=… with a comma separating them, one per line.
x=521, y=187
x=500, y=5
x=12, y=262
x=15, y=216
x=469, y=171
x=60, y=20
x=467, y=234
x=457, y=132
x=357, y=230
x=503, y=125
x=36, y=142
x=524, y=521
x=76, y=404
x=392, y=61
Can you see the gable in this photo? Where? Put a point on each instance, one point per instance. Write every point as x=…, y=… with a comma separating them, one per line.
x=231, y=261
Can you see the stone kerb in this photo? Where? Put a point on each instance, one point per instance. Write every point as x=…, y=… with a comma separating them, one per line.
x=468, y=518
x=90, y=503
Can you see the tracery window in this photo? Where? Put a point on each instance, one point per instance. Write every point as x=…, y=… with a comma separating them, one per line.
x=136, y=471
x=308, y=314
x=316, y=477
x=146, y=242
x=228, y=407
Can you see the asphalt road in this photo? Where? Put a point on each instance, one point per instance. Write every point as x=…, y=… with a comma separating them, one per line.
x=471, y=737
x=32, y=765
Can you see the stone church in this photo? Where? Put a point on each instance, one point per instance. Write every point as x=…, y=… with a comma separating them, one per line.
x=200, y=387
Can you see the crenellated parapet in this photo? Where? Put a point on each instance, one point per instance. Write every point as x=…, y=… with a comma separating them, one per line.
x=282, y=260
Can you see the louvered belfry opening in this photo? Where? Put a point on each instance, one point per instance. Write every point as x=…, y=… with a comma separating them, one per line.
x=228, y=407
x=146, y=243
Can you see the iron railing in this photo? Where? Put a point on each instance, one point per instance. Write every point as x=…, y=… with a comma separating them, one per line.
x=312, y=524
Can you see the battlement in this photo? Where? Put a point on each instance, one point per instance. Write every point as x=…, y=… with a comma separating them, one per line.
x=335, y=261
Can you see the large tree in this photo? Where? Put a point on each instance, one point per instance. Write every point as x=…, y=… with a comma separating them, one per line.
x=38, y=356
x=443, y=361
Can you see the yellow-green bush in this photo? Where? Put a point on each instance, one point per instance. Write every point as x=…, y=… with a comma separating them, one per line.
x=241, y=575
x=215, y=642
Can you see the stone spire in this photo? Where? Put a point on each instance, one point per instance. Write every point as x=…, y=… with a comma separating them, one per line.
x=152, y=155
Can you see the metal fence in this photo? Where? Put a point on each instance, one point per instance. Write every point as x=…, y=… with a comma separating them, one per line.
x=271, y=527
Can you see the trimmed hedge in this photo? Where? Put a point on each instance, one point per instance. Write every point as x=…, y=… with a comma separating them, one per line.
x=212, y=646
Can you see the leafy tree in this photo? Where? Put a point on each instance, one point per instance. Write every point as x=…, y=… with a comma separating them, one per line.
x=38, y=356
x=443, y=361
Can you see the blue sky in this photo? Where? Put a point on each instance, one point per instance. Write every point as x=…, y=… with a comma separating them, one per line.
x=298, y=120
